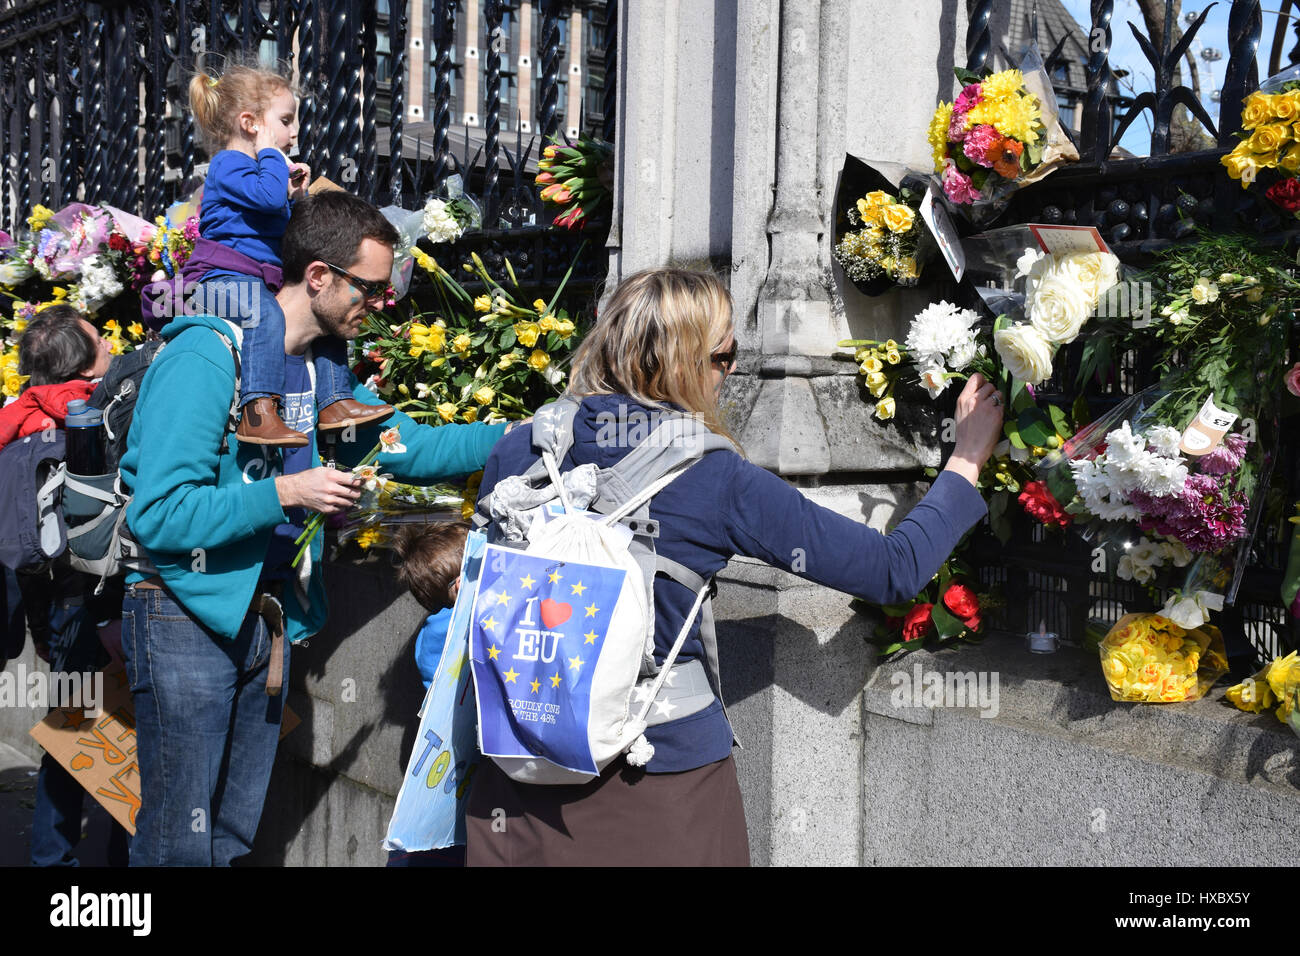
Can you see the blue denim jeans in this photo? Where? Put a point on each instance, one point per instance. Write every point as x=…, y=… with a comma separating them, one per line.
x=206, y=732
x=247, y=300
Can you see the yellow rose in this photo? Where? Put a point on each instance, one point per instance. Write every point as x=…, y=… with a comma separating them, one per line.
x=1286, y=107
x=485, y=395
x=538, y=360
x=539, y=305
x=483, y=303
x=877, y=383
x=1269, y=139
x=507, y=360
x=447, y=411
x=885, y=408
x=527, y=333
x=1257, y=110
x=564, y=328
x=1291, y=161
x=461, y=344
x=1241, y=166
x=898, y=217
x=471, y=414
x=893, y=356
x=547, y=323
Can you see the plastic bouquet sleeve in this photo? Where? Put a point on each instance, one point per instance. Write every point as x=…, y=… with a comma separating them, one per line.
x=1148, y=659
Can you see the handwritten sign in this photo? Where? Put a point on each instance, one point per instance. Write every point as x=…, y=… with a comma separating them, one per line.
x=1064, y=240
x=100, y=752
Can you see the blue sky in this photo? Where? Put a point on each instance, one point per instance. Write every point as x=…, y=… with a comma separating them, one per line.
x=1213, y=34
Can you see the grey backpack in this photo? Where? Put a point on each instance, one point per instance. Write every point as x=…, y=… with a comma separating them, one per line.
x=673, y=446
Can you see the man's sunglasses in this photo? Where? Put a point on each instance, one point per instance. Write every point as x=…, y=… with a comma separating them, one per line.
x=369, y=288
x=726, y=359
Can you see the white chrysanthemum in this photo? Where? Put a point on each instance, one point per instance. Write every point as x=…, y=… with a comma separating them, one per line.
x=961, y=354
x=1123, y=446
x=1164, y=440
x=939, y=328
x=1162, y=476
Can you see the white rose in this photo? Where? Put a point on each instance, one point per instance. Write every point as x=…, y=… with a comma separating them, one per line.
x=1058, y=308
x=1095, y=272
x=1024, y=353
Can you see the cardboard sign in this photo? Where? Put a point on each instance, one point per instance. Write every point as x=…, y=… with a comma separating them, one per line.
x=323, y=185
x=1064, y=240
x=100, y=752
x=945, y=235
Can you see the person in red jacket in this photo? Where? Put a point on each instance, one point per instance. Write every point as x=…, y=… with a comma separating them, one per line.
x=64, y=356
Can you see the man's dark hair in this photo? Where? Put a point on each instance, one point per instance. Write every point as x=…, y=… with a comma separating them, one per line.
x=329, y=227
x=55, y=347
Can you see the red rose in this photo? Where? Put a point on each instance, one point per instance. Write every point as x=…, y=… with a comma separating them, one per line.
x=961, y=600
x=917, y=622
x=973, y=622
x=1286, y=194
x=117, y=242
x=1041, y=506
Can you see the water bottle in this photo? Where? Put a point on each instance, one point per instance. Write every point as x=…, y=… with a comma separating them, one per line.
x=85, y=439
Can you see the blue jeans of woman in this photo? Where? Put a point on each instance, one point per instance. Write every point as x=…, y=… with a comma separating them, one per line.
x=206, y=732
x=247, y=300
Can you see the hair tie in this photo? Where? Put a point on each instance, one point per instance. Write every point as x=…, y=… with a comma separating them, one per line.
x=213, y=81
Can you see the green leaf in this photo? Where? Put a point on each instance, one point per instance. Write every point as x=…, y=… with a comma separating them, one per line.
x=1020, y=397
x=966, y=77
x=891, y=649
x=1079, y=412
x=998, y=519
x=945, y=622
x=1059, y=420
x=1035, y=427
x=508, y=338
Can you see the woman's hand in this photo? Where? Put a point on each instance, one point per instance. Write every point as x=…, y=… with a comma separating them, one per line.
x=979, y=427
x=327, y=490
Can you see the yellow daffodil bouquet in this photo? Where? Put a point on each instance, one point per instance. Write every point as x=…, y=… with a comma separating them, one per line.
x=491, y=357
x=1148, y=659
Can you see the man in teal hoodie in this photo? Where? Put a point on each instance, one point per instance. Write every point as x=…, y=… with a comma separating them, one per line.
x=217, y=519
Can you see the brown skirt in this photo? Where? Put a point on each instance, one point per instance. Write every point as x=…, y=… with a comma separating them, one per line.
x=625, y=817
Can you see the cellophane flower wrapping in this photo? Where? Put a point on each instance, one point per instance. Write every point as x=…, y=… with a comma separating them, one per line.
x=1001, y=133
x=1148, y=659
x=1166, y=518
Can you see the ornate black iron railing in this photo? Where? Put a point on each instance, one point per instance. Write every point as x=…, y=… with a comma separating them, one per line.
x=1141, y=205
x=93, y=103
